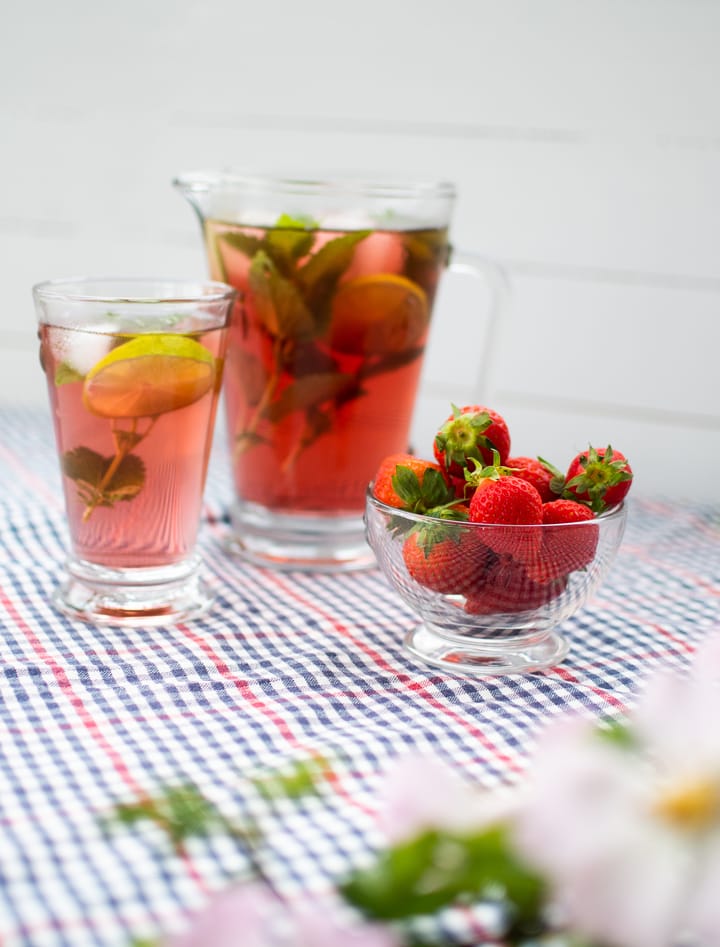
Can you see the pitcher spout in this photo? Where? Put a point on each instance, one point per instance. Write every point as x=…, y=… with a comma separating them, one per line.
x=197, y=188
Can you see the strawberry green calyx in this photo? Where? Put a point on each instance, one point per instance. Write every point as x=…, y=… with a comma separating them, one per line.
x=436, y=525
x=456, y=510
x=459, y=439
x=493, y=471
x=421, y=497
x=557, y=484
x=429, y=535
x=599, y=477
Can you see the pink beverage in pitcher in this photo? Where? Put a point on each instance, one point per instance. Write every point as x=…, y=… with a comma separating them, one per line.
x=133, y=370
x=336, y=280
x=133, y=435
x=325, y=355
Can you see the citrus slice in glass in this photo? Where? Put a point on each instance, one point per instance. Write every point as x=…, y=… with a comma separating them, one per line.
x=149, y=375
x=378, y=314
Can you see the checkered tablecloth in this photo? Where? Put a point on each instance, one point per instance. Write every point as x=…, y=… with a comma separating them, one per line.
x=286, y=665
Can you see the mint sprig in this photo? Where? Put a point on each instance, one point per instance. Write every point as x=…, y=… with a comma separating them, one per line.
x=292, y=284
x=103, y=481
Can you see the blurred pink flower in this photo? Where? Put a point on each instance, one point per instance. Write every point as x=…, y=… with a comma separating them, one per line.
x=629, y=836
x=249, y=915
x=421, y=793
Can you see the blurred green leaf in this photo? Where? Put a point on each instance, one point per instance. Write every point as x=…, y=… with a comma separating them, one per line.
x=436, y=869
x=182, y=812
x=618, y=733
x=303, y=778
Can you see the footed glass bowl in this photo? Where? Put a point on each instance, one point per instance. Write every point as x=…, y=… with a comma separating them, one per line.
x=489, y=598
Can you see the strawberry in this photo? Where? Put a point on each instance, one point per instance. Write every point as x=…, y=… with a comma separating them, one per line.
x=506, y=501
x=470, y=433
x=410, y=483
x=508, y=588
x=598, y=478
x=566, y=511
x=567, y=548
x=535, y=472
x=449, y=561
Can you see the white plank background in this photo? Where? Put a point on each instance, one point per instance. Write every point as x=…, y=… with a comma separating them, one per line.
x=583, y=136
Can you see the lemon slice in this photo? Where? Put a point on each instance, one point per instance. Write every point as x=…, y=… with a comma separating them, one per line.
x=147, y=376
x=379, y=314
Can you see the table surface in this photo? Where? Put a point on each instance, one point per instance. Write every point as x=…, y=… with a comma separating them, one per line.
x=286, y=665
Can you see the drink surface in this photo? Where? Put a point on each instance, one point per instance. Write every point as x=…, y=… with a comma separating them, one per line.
x=325, y=354
x=133, y=417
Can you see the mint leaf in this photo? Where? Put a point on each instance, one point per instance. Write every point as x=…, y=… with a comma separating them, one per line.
x=301, y=222
x=305, y=358
x=126, y=440
x=427, y=245
x=247, y=439
x=317, y=423
x=88, y=469
x=251, y=373
x=286, y=243
x=65, y=374
x=278, y=304
x=390, y=362
x=286, y=247
x=426, y=253
x=84, y=465
x=241, y=241
x=306, y=392
x=319, y=276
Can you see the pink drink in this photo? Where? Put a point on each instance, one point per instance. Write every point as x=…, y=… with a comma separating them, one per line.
x=325, y=355
x=336, y=279
x=146, y=513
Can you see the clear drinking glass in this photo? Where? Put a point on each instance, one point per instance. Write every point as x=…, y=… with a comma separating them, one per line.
x=133, y=369
x=336, y=281
x=479, y=610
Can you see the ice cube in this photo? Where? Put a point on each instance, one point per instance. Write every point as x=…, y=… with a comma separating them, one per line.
x=348, y=221
x=80, y=349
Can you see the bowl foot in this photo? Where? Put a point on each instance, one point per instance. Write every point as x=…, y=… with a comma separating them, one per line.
x=473, y=659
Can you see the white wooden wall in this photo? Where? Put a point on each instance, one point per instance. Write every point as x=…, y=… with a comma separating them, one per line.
x=584, y=138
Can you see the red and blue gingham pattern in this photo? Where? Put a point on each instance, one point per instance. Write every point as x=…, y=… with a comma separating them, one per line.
x=287, y=664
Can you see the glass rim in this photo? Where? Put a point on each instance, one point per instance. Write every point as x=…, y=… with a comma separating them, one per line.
x=178, y=290
x=202, y=181
x=614, y=513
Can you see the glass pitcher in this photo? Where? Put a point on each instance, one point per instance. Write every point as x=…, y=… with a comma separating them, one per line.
x=336, y=281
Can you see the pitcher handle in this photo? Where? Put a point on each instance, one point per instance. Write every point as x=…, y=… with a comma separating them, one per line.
x=468, y=263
